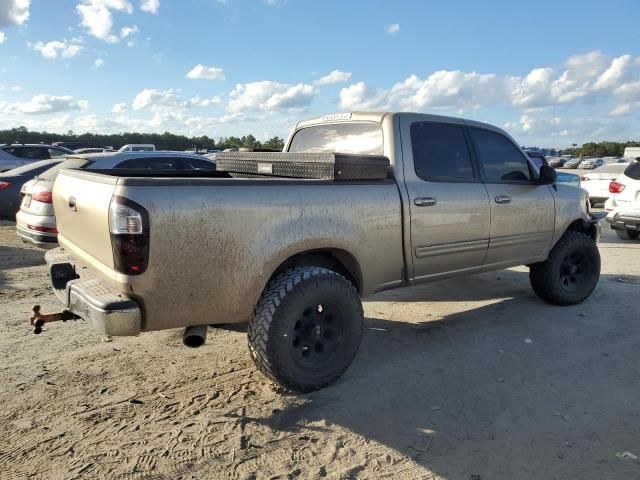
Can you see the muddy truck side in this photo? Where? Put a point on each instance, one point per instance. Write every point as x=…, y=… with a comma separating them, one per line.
x=293, y=256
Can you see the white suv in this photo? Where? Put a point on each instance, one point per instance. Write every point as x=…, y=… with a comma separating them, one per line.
x=624, y=204
x=16, y=155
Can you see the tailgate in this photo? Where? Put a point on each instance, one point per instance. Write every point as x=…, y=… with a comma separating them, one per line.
x=81, y=202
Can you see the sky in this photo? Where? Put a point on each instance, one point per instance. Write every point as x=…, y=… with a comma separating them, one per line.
x=551, y=73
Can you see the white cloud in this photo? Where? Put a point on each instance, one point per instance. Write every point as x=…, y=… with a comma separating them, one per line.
x=336, y=76
x=14, y=12
x=200, y=72
x=267, y=95
x=2, y=37
x=393, y=28
x=203, y=102
x=55, y=48
x=155, y=98
x=41, y=104
x=128, y=31
x=120, y=108
x=150, y=6
x=97, y=18
x=16, y=88
x=98, y=62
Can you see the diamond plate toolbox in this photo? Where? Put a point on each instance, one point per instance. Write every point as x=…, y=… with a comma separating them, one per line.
x=321, y=166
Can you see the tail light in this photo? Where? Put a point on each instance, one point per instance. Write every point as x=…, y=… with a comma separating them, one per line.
x=616, y=187
x=36, y=228
x=4, y=185
x=584, y=179
x=129, y=228
x=44, y=197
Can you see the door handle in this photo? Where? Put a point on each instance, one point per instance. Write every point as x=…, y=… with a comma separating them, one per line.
x=72, y=204
x=425, y=202
x=502, y=199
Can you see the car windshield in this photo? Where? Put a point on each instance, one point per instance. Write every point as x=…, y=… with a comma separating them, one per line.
x=31, y=166
x=52, y=173
x=360, y=138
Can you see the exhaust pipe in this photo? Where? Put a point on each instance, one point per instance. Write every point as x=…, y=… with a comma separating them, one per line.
x=195, y=336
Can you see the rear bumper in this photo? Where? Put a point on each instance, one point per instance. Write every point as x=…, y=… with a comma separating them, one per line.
x=620, y=221
x=106, y=309
x=28, y=235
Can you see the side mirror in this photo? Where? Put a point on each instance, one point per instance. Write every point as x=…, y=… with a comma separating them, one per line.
x=547, y=175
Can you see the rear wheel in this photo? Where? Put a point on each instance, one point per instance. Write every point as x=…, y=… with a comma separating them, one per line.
x=570, y=273
x=306, y=328
x=627, y=234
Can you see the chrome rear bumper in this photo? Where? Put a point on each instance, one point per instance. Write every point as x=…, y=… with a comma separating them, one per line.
x=89, y=298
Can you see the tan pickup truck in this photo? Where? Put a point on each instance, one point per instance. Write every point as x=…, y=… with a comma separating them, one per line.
x=293, y=257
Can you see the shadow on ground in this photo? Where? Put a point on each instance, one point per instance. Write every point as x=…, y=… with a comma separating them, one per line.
x=513, y=389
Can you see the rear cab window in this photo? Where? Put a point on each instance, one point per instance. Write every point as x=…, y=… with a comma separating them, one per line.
x=152, y=163
x=363, y=138
x=500, y=159
x=440, y=152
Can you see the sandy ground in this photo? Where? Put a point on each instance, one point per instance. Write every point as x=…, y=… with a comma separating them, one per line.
x=470, y=379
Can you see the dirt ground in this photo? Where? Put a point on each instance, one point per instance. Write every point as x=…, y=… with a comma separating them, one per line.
x=472, y=379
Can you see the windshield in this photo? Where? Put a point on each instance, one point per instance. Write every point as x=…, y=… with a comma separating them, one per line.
x=359, y=138
x=52, y=173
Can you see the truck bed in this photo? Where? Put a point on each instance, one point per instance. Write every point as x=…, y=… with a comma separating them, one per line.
x=214, y=241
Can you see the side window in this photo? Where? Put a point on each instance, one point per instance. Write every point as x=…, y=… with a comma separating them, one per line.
x=440, y=152
x=30, y=153
x=153, y=163
x=499, y=157
x=195, y=164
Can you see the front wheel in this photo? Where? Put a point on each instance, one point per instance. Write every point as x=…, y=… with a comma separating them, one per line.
x=306, y=328
x=570, y=273
x=627, y=234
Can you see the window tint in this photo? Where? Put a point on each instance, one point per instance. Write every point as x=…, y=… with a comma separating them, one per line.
x=440, y=152
x=30, y=153
x=500, y=158
x=359, y=138
x=150, y=163
x=52, y=173
x=195, y=164
x=633, y=170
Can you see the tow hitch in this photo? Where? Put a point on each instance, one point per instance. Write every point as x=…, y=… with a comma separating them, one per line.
x=37, y=320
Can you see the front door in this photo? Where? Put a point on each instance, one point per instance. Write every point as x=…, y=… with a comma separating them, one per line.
x=522, y=212
x=448, y=203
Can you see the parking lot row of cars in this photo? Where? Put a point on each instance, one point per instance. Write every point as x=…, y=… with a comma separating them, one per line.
x=26, y=192
x=583, y=163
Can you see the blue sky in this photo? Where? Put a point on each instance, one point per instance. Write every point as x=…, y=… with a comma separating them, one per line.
x=552, y=73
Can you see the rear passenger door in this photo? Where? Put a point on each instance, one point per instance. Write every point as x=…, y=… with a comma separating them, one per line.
x=522, y=212
x=448, y=203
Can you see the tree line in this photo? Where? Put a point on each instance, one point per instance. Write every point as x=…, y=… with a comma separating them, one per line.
x=600, y=149
x=162, y=141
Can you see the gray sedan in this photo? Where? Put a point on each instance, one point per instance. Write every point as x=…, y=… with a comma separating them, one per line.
x=11, y=183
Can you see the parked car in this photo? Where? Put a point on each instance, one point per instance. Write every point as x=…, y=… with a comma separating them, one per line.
x=572, y=163
x=597, y=182
x=538, y=160
x=591, y=163
x=16, y=155
x=77, y=145
x=624, y=204
x=11, y=183
x=93, y=150
x=138, y=147
x=557, y=162
x=36, y=221
x=418, y=198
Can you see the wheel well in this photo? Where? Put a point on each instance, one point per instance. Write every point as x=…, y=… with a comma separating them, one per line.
x=584, y=227
x=340, y=261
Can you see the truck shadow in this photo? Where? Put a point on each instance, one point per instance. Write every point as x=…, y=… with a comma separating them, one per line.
x=513, y=389
x=16, y=257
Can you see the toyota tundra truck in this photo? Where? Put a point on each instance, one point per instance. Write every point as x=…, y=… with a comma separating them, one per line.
x=294, y=256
